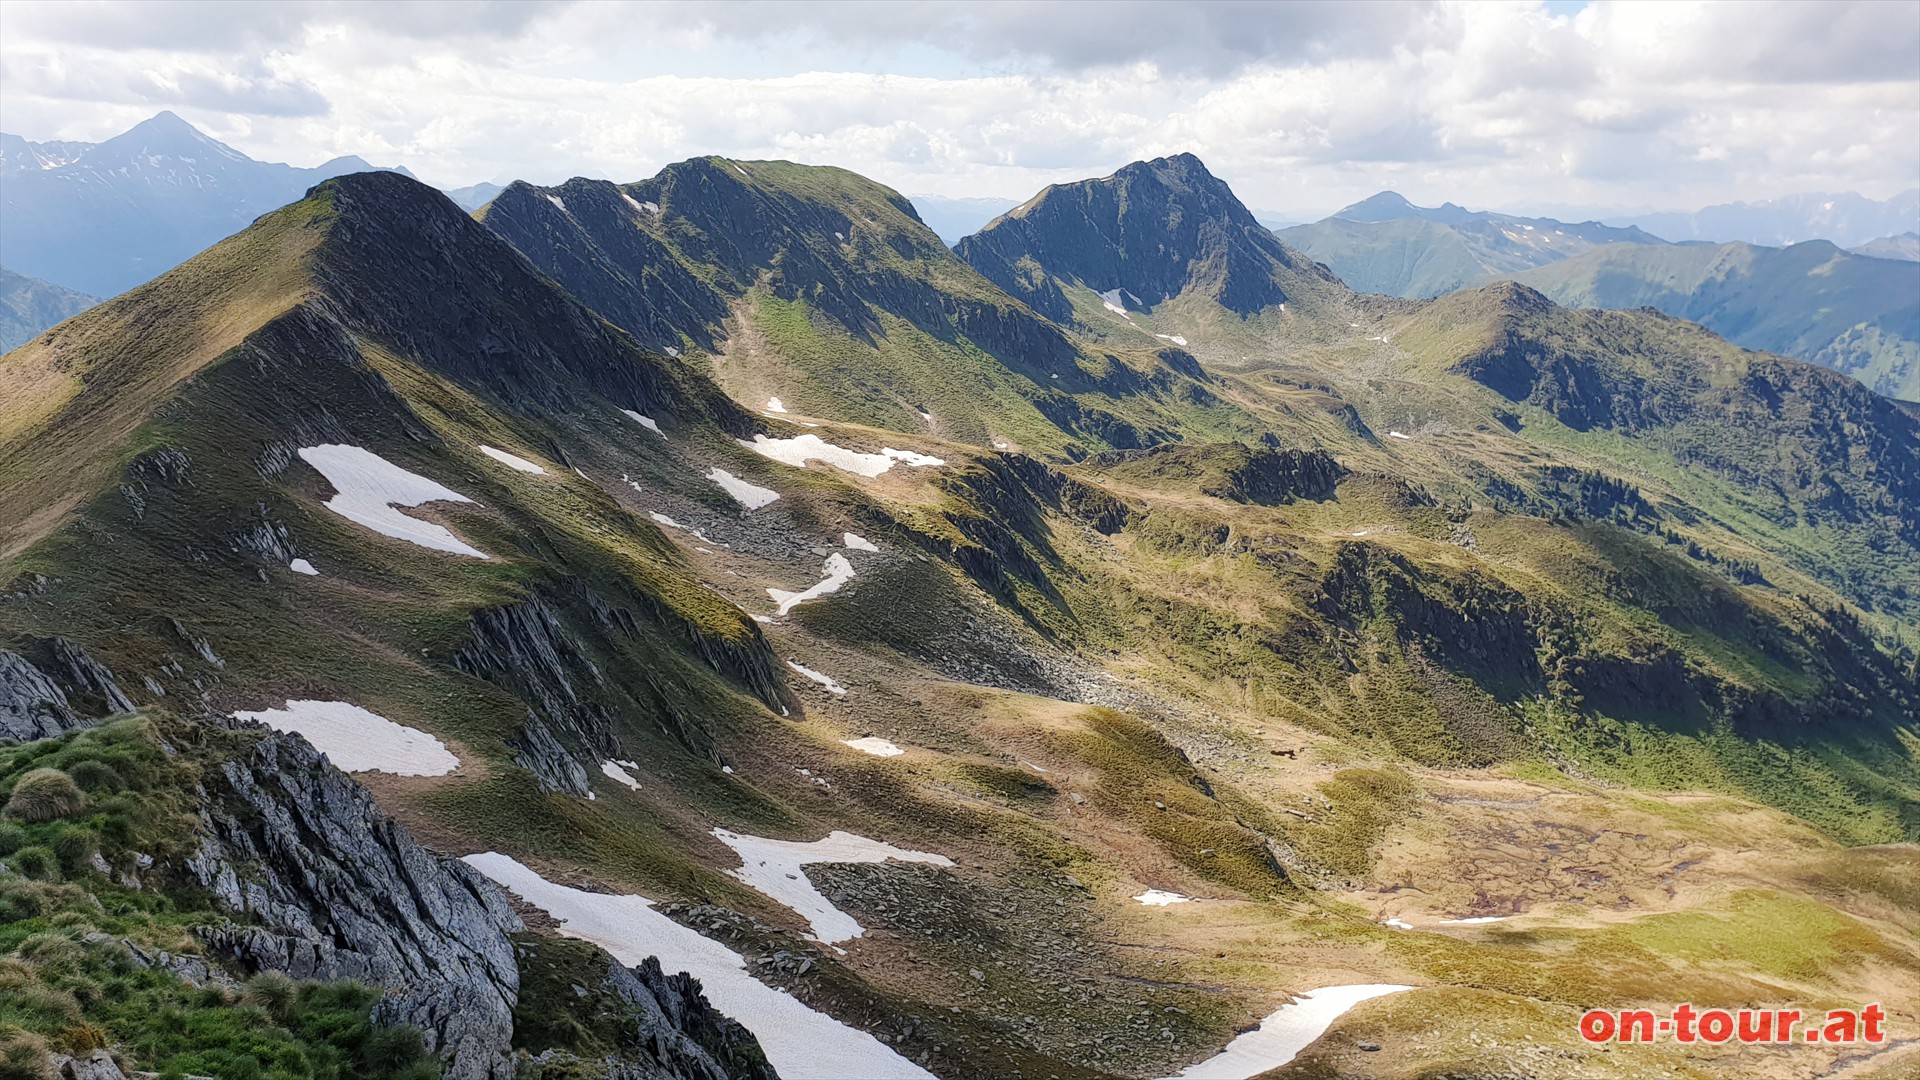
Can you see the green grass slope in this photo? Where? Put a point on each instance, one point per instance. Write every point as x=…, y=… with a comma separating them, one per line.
x=1848, y=312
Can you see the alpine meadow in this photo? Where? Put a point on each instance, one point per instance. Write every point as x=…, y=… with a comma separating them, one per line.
x=493, y=618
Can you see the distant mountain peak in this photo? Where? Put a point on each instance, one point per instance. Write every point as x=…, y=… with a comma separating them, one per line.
x=1381, y=207
x=1392, y=206
x=165, y=133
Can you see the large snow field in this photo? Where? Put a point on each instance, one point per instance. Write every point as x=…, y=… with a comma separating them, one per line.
x=801, y=449
x=1284, y=1033
x=752, y=496
x=367, y=488
x=801, y=1044
x=357, y=740
x=774, y=867
x=512, y=461
x=875, y=745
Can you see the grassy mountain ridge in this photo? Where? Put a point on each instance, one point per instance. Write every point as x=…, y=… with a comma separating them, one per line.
x=1851, y=313
x=823, y=289
x=1389, y=246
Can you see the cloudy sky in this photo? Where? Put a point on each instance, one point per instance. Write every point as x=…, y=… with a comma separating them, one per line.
x=1302, y=106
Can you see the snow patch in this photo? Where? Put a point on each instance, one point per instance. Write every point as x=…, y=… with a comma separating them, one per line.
x=838, y=572
x=673, y=350
x=367, y=487
x=302, y=566
x=1111, y=301
x=1281, y=1036
x=555, y=200
x=856, y=543
x=801, y=1044
x=613, y=770
x=662, y=519
x=827, y=681
x=801, y=449
x=1400, y=924
x=360, y=741
x=774, y=867
x=1161, y=898
x=918, y=461
x=512, y=461
x=751, y=496
x=645, y=422
x=874, y=745
x=1397, y=435
x=1175, y=338
x=774, y=405
x=1476, y=920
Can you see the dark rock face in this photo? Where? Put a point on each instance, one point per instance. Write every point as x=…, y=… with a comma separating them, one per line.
x=53, y=685
x=1262, y=475
x=1471, y=622
x=541, y=650
x=1153, y=229
x=580, y=1005
x=338, y=890
x=31, y=705
x=590, y=244
x=627, y=252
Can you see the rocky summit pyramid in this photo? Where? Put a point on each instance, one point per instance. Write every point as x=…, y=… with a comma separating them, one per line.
x=427, y=647
x=1153, y=231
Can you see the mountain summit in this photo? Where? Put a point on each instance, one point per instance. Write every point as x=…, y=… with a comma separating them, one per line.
x=104, y=217
x=1152, y=231
x=1392, y=206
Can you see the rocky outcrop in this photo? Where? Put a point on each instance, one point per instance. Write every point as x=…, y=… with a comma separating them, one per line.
x=32, y=706
x=1262, y=475
x=689, y=1034
x=52, y=685
x=541, y=650
x=332, y=888
x=580, y=1005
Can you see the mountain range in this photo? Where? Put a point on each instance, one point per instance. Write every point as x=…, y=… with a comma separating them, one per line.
x=1848, y=312
x=1847, y=219
x=1853, y=312
x=1052, y=656
x=1387, y=245
x=101, y=218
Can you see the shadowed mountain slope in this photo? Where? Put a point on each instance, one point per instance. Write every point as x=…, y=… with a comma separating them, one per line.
x=823, y=290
